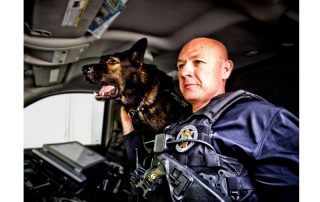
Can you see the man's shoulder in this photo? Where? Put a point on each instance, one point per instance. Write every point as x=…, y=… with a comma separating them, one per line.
x=259, y=111
x=256, y=105
x=244, y=104
x=241, y=100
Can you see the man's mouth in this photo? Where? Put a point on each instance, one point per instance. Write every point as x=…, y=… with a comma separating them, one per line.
x=107, y=92
x=190, y=85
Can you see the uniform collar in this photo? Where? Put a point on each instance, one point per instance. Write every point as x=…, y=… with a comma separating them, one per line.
x=207, y=110
x=218, y=105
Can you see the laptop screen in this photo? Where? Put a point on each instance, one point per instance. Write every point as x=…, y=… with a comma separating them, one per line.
x=75, y=153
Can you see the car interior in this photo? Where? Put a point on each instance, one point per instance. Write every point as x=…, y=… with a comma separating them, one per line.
x=262, y=39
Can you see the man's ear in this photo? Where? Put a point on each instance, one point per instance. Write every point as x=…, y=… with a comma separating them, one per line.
x=137, y=52
x=227, y=69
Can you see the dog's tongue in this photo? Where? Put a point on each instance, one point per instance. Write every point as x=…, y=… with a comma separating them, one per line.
x=105, y=90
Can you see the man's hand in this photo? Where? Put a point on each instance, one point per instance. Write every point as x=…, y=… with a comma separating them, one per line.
x=126, y=121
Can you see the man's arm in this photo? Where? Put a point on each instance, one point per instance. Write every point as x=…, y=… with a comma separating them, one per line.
x=126, y=121
x=132, y=140
x=277, y=160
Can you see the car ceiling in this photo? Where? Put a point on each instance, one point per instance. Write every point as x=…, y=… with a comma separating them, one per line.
x=262, y=37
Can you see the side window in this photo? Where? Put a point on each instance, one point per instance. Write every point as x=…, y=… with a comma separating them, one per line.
x=64, y=117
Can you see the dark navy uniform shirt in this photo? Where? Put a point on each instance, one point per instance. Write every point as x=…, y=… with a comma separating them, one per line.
x=264, y=137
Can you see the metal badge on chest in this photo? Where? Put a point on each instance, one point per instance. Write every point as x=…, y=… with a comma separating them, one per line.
x=186, y=133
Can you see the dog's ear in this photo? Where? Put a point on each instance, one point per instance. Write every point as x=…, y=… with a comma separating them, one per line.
x=137, y=52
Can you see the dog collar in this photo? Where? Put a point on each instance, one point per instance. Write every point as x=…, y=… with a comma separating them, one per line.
x=133, y=112
x=145, y=102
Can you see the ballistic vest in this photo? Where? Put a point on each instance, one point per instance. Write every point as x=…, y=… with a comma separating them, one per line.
x=223, y=173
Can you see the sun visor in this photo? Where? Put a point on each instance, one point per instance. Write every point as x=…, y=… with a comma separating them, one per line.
x=71, y=18
x=61, y=18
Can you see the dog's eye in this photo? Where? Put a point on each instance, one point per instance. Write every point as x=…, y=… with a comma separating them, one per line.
x=112, y=61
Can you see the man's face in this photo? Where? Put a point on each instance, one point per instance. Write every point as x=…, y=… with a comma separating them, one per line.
x=200, y=73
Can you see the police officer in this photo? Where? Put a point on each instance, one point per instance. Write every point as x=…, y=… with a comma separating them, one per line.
x=256, y=142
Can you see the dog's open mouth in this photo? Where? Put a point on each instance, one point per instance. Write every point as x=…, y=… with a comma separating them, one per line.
x=107, y=92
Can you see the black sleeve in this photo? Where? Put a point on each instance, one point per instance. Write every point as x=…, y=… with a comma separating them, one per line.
x=277, y=160
x=133, y=142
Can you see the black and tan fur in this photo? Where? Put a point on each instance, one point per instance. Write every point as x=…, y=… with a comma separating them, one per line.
x=148, y=94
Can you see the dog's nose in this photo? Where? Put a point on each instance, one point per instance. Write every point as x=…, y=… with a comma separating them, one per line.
x=87, y=68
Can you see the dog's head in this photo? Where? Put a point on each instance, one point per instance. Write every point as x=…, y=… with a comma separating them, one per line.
x=114, y=72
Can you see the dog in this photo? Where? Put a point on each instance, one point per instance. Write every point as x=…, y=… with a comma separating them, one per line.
x=148, y=94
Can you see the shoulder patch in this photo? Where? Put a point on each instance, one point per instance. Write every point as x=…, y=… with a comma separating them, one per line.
x=187, y=132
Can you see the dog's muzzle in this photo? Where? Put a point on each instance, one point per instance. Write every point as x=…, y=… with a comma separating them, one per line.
x=92, y=73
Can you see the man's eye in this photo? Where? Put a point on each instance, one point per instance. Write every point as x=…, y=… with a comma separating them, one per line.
x=198, y=62
x=180, y=66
